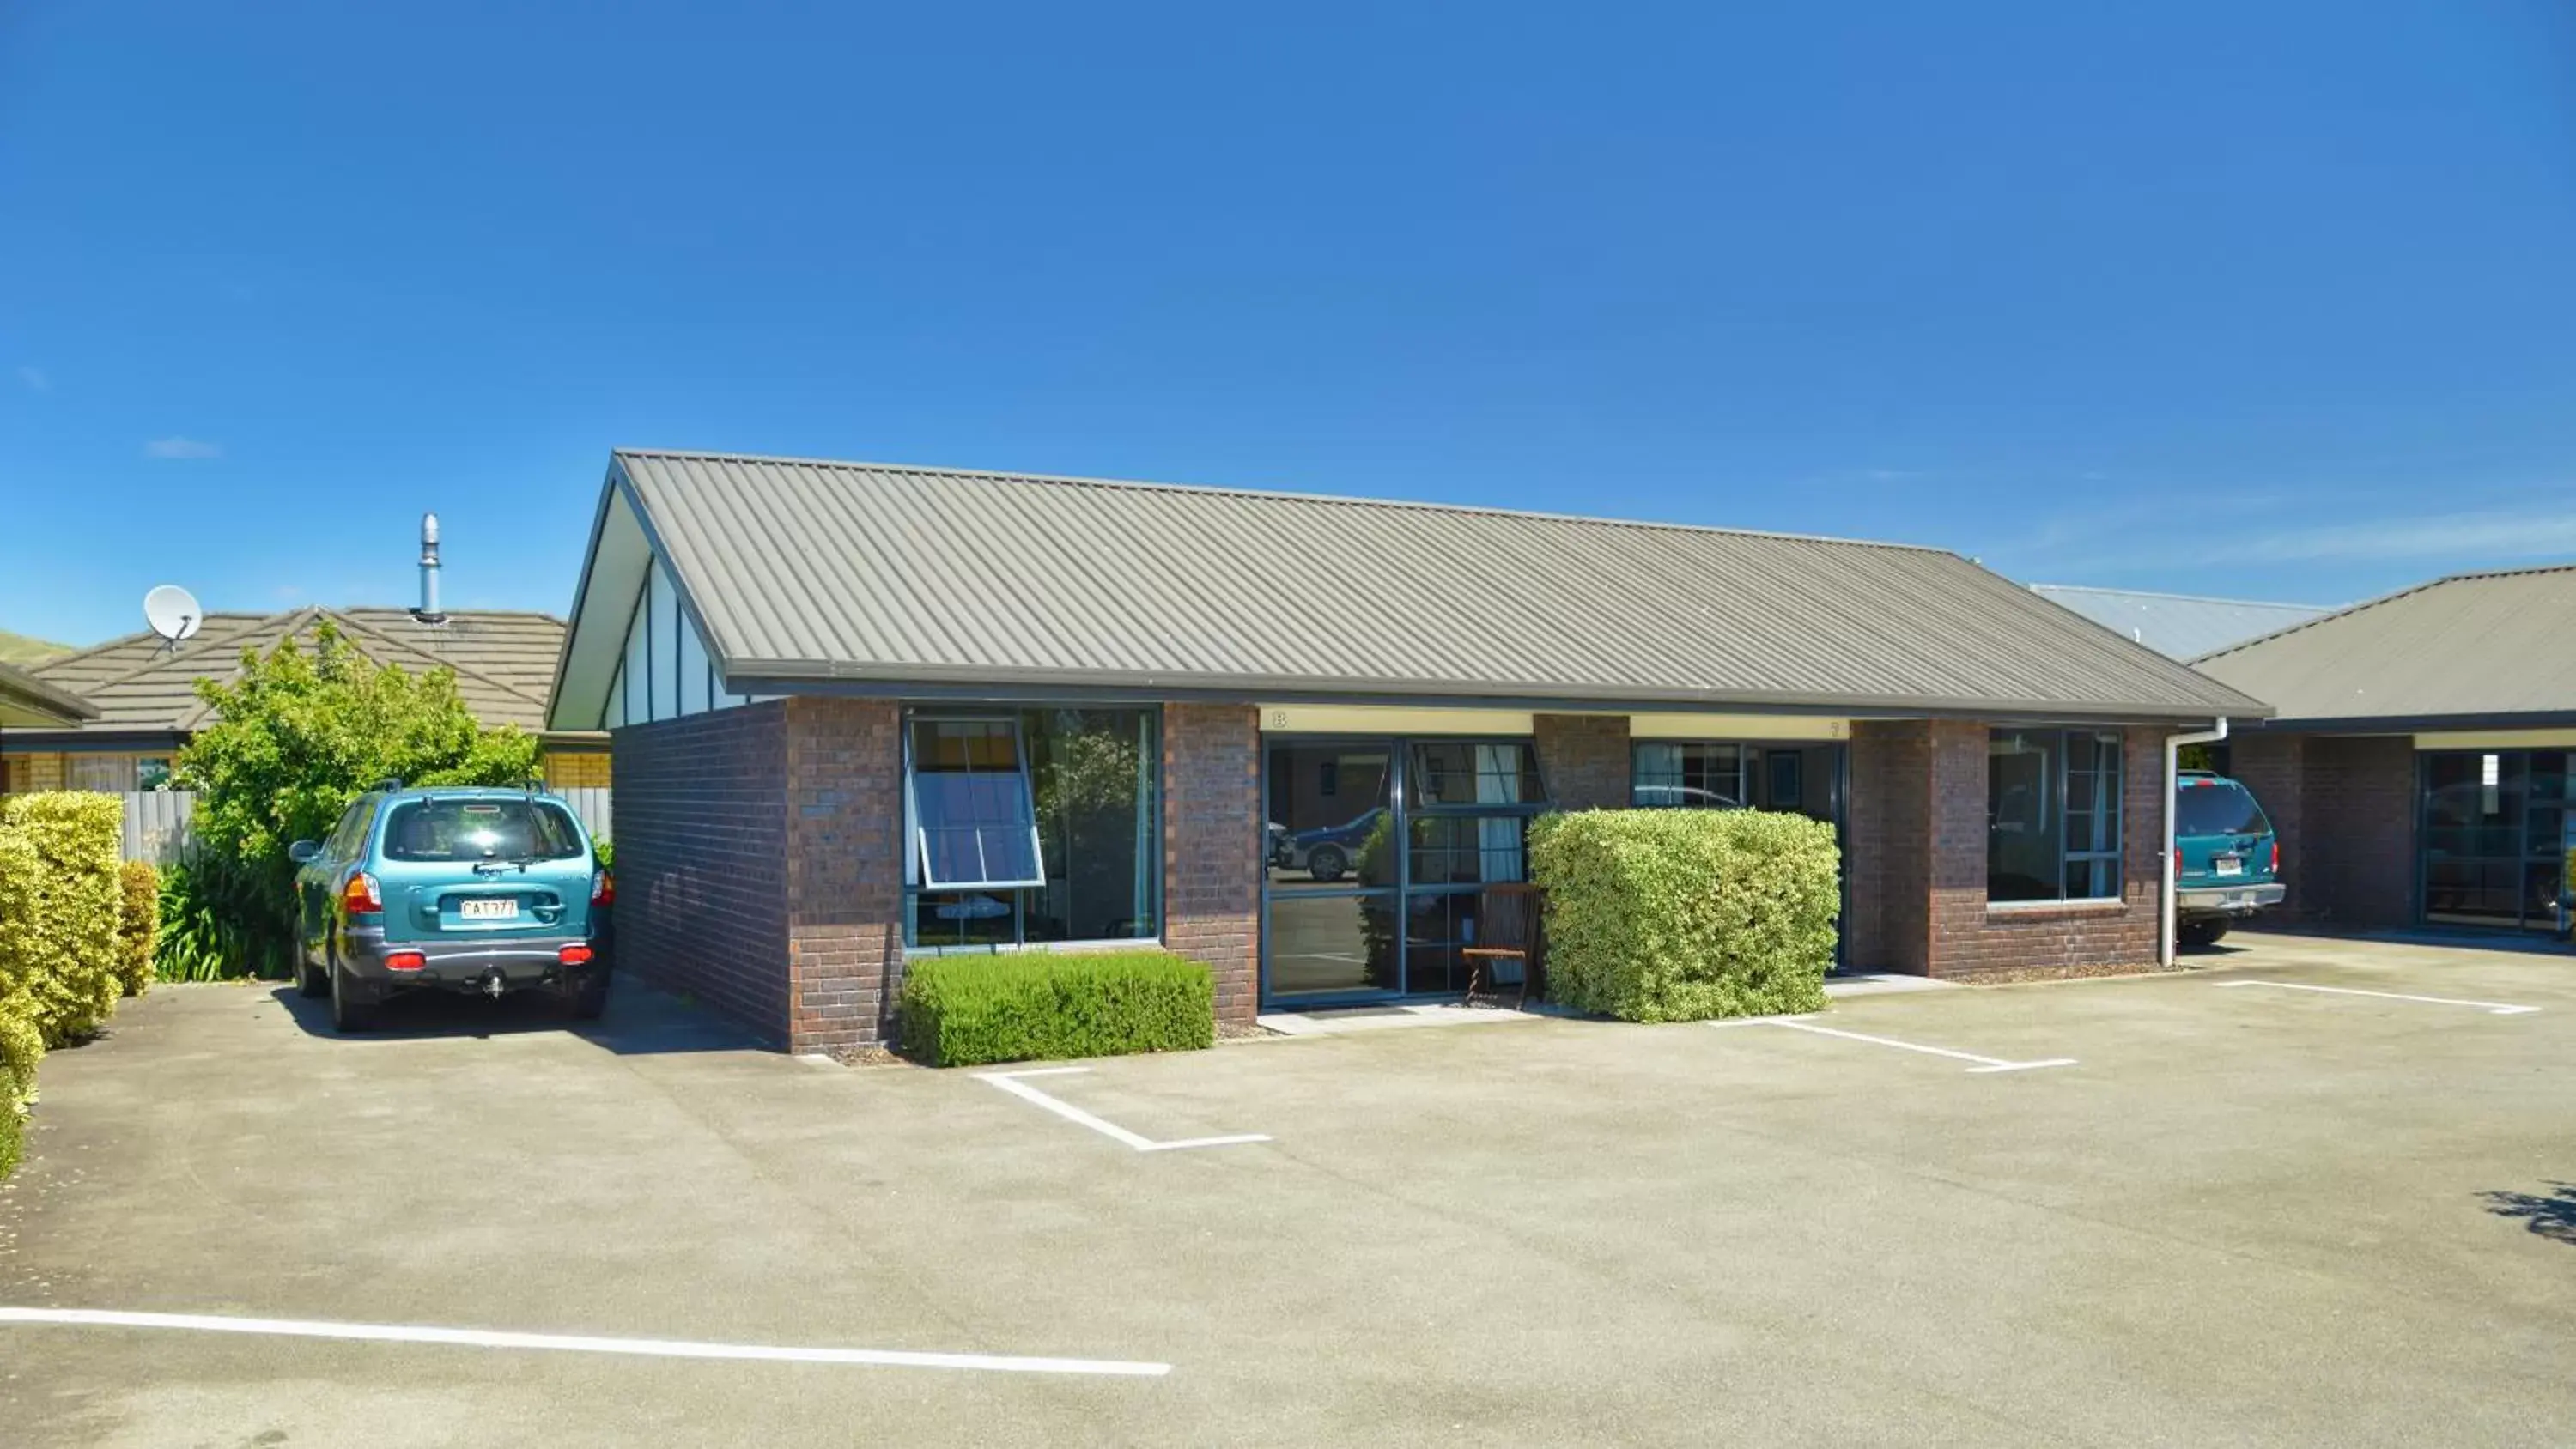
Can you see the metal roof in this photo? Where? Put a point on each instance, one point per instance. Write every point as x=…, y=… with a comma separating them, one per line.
x=2179, y=626
x=2471, y=646
x=26, y=700
x=504, y=663
x=806, y=572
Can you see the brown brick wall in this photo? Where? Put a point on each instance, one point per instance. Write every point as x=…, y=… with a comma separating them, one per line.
x=1584, y=760
x=701, y=839
x=1212, y=846
x=843, y=792
x=2344, y=808
x=1887, y=830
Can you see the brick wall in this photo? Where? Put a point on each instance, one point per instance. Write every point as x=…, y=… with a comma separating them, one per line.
x=1887, y=831
x=844, y=860
x=1584, y=759
x=2359, y=809
x=1212, y=846
x=701, y=841
x=2344, y=809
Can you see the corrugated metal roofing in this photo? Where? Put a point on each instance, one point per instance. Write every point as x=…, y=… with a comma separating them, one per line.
x=805, y=570
x=2179, y=626
x=504, y=663
x=2471, y=646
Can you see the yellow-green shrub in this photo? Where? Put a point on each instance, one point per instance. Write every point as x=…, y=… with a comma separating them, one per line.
x=1676, y=915
x=60, y=895
x=138, y=925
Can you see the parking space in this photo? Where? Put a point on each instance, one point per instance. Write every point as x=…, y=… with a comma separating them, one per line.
x=2223, y=1213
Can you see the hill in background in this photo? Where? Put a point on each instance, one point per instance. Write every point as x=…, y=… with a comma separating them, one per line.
x=19, y=649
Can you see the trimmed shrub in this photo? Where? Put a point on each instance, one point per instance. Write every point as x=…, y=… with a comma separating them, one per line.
x=138, y=926
x=59, y=897
x=1677, y=915
x=1034, y=1005
x=213, y=923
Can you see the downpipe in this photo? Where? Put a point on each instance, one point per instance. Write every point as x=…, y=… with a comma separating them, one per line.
x=2173, y=775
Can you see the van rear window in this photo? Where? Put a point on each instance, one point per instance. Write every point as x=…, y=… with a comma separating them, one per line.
x=2220, y=808
x=479, y=830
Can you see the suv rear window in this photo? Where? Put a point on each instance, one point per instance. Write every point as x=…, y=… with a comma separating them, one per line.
x=2220, y=807
x=475, y=829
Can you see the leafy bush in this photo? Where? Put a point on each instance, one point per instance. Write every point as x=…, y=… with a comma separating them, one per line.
x=213, y=923
x=1675, y=915
x=1034, y=1005
x=605, y=853
x=296, y=738
x=138, y=926
x=59, y=957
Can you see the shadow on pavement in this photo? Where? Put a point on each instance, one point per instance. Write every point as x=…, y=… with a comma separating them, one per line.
x=2552, y=1215
x=639, y=1021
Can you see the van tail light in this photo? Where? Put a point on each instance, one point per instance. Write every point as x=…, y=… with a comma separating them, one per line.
x=575, y=955
x=405, y=961
x=603, y=889
x=361, y=896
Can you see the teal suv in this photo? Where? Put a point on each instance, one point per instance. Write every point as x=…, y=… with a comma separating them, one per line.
x=478, y=891
x=2227, y=861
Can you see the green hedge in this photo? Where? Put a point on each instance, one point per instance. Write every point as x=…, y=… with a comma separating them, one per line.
x=1677, y=915
x=138, y=925
x=61, y=895
x=1034, y=1005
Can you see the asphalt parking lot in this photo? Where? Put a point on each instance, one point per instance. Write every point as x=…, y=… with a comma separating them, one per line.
x=2204, y=1208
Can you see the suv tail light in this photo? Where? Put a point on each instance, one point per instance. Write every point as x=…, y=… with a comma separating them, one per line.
x=2276, y=855
x=573, y=955
x=603, y=889
x=2177, y=860
x=405, y=961
x=361, y=895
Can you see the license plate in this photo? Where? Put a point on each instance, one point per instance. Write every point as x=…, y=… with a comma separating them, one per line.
x=496, y=910
x=2230, y=865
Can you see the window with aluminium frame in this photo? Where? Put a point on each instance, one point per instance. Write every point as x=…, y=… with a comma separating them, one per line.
x=2054, y=813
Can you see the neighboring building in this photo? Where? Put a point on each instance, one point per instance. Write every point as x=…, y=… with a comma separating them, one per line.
x=146, y=705
x=2419, y=767
x=2180, y=626
x=26, y=700
x=864, y=713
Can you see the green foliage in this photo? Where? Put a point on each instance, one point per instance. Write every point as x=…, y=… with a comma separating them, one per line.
x=605, y=853
x=59, y=959
x=298, y=736
x=1676, y=915
x=138, y=925
x=1034, y=1005
x=213, y=923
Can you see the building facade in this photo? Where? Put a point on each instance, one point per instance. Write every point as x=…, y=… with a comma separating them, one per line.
x=862, y=714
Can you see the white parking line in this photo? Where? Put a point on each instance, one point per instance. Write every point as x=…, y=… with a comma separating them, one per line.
x=578, y=1343
x=1012, y=1083
x=1986, y=1064
x=2491, y=1008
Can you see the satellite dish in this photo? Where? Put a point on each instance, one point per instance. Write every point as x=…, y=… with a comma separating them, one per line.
x=173, y=613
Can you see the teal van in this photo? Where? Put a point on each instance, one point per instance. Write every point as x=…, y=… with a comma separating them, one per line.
x=2227, y=860
x=467, y=890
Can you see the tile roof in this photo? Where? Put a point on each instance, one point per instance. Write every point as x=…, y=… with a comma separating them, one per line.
x=853, y=572
x=2470, y=646
x=504, y=662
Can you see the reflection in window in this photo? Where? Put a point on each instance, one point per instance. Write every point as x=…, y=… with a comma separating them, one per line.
x=1686, y=774
x=1328, y=820
x=1069, y=797
x=2052, y=815
x=1467, y=850
x=1462, y=772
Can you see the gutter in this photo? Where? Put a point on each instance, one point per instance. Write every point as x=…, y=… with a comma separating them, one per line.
x=2173, y=770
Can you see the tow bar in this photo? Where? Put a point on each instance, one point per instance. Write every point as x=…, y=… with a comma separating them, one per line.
x=493, y=985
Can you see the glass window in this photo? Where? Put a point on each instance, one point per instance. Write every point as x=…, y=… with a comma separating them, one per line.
x=427, y=830
x=152, y=773
x=2216, y=807
x=1474, y=772
x=1333, y=839
x=1083, y=785
x=350, y=834
x=1666, y=774
x=973, y=823
x=2052, y=815
x=1467, y=850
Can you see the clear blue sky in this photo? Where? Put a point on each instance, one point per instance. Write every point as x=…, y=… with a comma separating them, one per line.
x=2271, y=300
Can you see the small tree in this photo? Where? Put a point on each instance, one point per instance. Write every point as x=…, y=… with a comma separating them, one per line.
x=298, y=736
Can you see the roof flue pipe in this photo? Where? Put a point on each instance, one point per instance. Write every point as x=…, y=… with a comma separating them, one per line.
x=428, y=611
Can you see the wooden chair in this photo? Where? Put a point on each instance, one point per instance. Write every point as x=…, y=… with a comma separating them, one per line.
x=1507, y=940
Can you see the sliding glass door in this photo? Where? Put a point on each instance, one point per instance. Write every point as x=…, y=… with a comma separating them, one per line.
x=2494, y=823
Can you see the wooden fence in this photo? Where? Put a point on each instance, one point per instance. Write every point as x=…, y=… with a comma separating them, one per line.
x=159, y=823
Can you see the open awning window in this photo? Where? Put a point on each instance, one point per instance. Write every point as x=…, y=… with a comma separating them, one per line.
x=973, y=825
